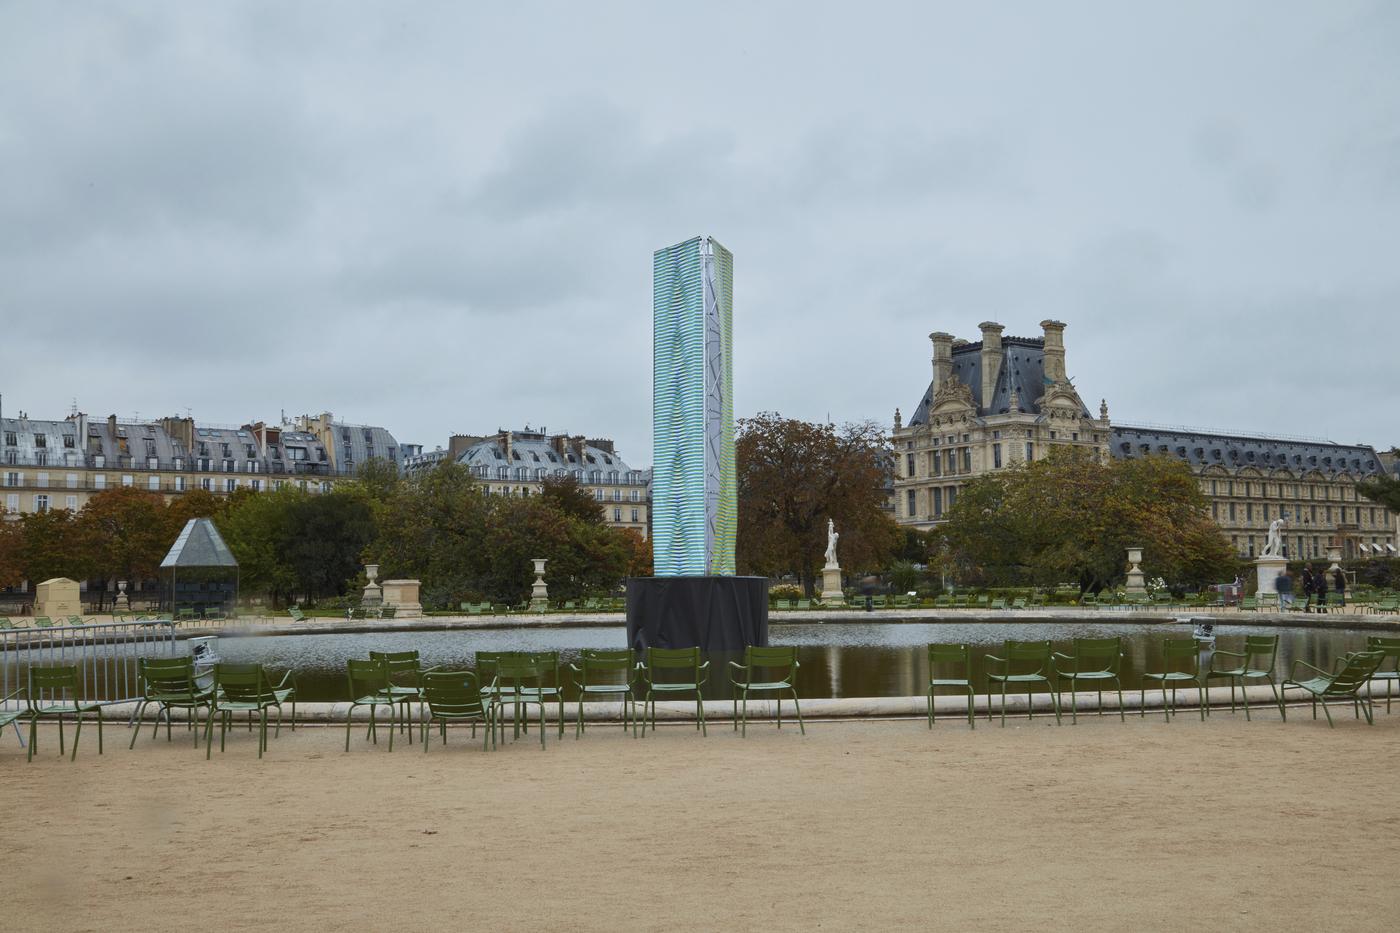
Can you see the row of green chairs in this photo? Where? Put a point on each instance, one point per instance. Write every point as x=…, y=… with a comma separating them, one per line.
x=1098, y=662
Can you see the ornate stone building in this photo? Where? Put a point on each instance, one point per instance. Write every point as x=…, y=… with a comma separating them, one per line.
x=1251, y=481
x=990, y=404
x=1007, y=400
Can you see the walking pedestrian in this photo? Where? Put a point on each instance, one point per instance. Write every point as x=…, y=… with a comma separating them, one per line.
x=1320, y=588
x=1284, y=584
x=1339, y=584
x=1307, y=585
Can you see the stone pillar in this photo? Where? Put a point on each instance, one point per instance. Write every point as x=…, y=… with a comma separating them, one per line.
x=831, y=587
x=1334, y=556
x=121, y=604
x=991, y=361
x=539, y=593
x=373, y=595
x=1136, y=583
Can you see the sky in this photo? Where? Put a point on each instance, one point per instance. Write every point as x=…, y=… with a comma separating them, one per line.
x=440, y=218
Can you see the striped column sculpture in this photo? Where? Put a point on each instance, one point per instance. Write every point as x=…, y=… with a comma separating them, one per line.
x=694, y=495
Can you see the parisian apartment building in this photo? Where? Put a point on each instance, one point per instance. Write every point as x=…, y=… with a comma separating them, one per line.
x=1004, y=400
x=516, y=463
x=60, y=464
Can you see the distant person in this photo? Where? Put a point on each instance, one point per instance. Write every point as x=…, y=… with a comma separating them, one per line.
x=1320, y=588
x=1339, y=583
x=1307, y=584
x=1284, y=585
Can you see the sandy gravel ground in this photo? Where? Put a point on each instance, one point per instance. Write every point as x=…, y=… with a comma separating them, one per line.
x=1225, y=825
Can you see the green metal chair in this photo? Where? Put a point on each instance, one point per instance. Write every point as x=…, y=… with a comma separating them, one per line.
x=550, y=687
x=170, y=684
x=1181, y=664
x=43, y=622
x=245, y=688
x=1343, y=682
x=61, y=685
x=998, y=603
x=453, y=696
x=597, y=673
x=1256, y=661
x=518, y=682
x=943, y=602
x=296, y=614
x=1094, y=661
x=1390, y=648
x=1028, y=663
x=369, y=685
x=784, y=665
x=945, y=655
x=11, y=717
x=674, y=659
x=404, y=673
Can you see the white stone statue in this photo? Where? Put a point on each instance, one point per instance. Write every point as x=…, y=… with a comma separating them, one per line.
x=1273, y=547
x=831, y=538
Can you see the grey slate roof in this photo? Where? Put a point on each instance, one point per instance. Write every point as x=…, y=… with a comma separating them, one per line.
x=537, y=457
x=199, y=545
x=1022, y=369
x=1202, y=449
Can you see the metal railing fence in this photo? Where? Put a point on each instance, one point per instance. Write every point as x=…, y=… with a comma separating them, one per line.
x=105, y=656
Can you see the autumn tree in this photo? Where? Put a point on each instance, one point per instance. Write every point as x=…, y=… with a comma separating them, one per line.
x=11, y=552
x=569, y=497
x=54, y=543
x=1068, y=518
x=795, y=475
x=130, y=534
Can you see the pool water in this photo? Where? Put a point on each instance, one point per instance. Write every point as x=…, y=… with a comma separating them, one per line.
x=838, y=659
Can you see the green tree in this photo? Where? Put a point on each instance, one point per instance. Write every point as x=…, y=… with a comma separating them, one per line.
x=257, y=528
x=1066, y=518
x=795, y=475
x=567, y=496
x=1382, y=490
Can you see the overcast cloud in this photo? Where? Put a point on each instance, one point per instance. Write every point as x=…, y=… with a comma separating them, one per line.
x=441, y=218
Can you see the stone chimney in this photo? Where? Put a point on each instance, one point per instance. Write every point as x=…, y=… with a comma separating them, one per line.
x=991, y=360
x=942, y=357
x=1054, y=350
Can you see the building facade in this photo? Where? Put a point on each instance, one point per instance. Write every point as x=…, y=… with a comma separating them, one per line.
x=694, y=482
x=990, y=405
x=46, y=464
x=1008, y=400
x=516, y=463
x=1251, y=481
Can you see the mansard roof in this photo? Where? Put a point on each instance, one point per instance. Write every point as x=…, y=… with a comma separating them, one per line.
x=1234, y=452
x=1022, y=370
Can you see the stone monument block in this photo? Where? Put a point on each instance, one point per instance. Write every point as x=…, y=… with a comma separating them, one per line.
x=57, y=597
x=402, y=596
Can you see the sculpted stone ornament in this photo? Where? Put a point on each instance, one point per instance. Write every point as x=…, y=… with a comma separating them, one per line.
x=1273, y=547
x=831, y=538
x=831, y=573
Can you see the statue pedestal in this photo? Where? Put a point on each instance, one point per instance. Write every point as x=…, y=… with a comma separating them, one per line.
x=1136, y=583
x=374, y=595
x=1269, y=569
x=831, y=586
x=539, y=592
x=403, y=596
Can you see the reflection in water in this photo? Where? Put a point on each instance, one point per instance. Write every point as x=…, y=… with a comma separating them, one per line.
x=838, y=659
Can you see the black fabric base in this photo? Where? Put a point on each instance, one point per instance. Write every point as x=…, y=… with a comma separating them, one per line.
x=709, y=613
